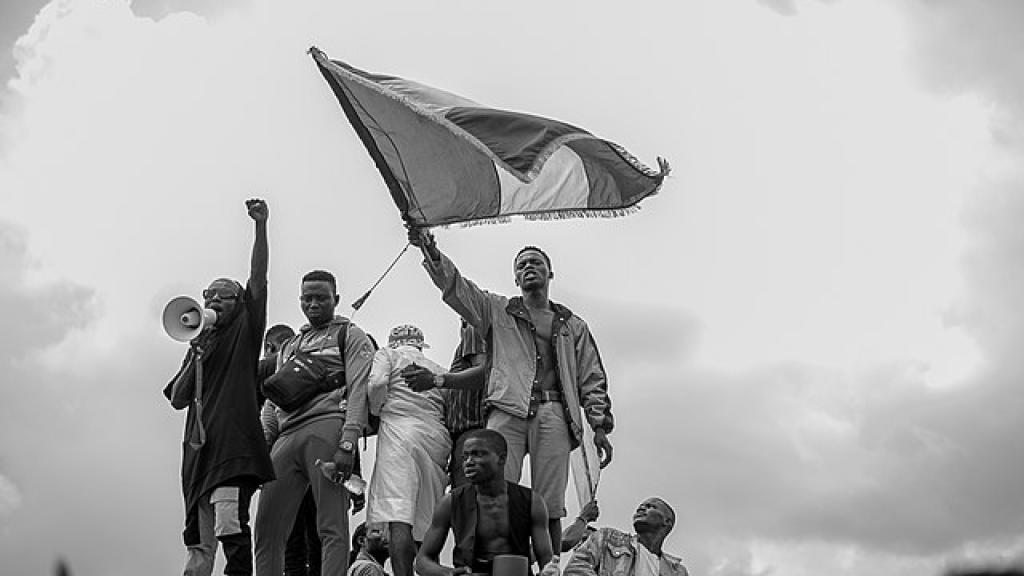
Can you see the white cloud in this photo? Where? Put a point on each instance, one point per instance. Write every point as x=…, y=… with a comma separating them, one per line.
x=10, y=496
x=798, y=354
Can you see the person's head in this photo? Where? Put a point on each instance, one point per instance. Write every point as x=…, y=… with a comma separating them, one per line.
x=377, y=539
x=276, y=336
x=406, y=335
x=483, y=455
x=373, y=536
x=654, y=515
x=358, y=539
x=319, y=297
x=224, y=296
x=532, y=268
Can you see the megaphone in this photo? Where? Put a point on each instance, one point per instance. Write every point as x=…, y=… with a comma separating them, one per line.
x=185, y=318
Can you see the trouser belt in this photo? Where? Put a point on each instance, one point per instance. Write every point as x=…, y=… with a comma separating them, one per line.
x=543, y=396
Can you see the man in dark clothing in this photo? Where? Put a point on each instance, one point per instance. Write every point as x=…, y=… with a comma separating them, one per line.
x=489, y=516
x=464, y=408
x=225, y=457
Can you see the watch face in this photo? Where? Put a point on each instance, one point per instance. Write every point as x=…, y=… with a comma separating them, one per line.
x=346, y=446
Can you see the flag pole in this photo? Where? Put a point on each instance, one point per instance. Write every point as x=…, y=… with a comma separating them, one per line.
x=362, y=299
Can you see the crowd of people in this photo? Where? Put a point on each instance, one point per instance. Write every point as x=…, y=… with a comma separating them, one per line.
x=526, y=378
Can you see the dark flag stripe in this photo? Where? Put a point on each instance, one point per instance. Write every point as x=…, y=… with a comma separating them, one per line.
x=614, y=182
x=517, y=139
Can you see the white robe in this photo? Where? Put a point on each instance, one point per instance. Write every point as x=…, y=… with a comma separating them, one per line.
x=409, y=475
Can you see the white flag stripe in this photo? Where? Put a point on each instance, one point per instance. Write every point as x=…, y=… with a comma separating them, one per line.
x=562, y=184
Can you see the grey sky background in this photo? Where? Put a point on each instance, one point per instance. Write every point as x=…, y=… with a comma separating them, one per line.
x=811, y=332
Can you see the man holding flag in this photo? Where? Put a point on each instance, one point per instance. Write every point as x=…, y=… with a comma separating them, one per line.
x=544, y=368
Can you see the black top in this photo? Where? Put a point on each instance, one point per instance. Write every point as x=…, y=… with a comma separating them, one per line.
x=464, y=522
x=235, y=449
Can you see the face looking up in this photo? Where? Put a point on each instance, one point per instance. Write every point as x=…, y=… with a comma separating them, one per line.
x=653, y=514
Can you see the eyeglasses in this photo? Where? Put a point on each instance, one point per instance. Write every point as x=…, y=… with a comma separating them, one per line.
x=220, y=293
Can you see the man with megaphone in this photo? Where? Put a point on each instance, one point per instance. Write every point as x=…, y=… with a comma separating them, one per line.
x=224, y=457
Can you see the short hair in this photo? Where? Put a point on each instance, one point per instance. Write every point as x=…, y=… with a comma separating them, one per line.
x=279, y=331
x=359, y=532
x=321, y=276
x=239, y=289
x=534, y=249
x=671, y=511
x=492, y=438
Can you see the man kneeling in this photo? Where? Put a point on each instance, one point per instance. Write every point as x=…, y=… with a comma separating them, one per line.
x=489, y=516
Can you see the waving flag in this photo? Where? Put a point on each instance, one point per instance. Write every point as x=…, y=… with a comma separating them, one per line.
x=447, y=159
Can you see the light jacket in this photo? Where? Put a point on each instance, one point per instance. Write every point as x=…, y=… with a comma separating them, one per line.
x=513, y=357
x=609, y=552
x=348, y=404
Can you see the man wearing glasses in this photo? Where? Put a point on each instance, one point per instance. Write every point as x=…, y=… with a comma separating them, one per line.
x=225, y=456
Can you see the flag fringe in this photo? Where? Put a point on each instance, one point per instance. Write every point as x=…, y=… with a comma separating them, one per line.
x=478, y=222
x=548, y=216
x=583, y=213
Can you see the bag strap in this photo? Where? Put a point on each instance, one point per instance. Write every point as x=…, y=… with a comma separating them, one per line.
x=342, y=338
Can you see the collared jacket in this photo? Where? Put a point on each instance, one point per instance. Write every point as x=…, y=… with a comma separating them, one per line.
x=513, y=357
x=610, y=552
x=348, y=403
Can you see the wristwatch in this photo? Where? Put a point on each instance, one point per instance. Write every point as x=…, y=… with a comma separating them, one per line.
x=346, y=446
x=439, y=380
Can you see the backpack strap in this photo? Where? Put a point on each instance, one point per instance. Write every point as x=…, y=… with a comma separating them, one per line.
x=342, y=338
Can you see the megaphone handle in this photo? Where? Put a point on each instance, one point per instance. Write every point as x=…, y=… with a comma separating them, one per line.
x=199, y=402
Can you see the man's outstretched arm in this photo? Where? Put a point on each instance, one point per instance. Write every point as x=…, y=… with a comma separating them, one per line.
x=428, y=561
x=420, y=379
x=459, y=293
x=260, y=262
x=577, y=531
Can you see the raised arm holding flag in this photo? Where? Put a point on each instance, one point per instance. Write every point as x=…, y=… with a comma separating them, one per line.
x=546, y=379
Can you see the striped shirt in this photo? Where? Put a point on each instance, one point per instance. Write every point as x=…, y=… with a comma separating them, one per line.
x=464, y=410
x=365, y=565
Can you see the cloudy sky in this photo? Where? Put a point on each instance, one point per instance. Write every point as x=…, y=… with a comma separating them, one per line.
x=810, y=333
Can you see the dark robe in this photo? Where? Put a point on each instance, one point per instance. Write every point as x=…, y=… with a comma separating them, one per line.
x=235, y=451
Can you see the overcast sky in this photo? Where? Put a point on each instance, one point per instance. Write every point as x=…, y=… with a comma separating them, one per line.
x=811, y=332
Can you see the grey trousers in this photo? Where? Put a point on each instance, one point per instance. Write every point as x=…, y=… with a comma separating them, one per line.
x=293, y=455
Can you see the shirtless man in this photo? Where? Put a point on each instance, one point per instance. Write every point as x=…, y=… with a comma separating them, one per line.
x=488, y=517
